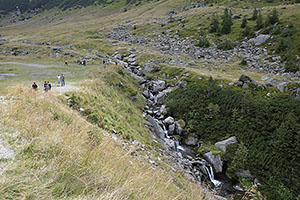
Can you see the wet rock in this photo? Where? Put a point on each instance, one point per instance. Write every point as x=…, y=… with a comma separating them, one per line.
x=215, y=161
x=171, y=129
x=168, y=121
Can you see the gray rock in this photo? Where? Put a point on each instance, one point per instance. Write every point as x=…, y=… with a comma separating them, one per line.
x=163, y=109
x=160, y=98
x=140, y=79
x=182, y=84
x=178, y=128
x=282, y=87
x=272, y=82
x=245, y=86
x=191, y=141
x=223, y=144
x=259, y=39
x=215, y=161
x=146, y=93
x=158, y=86
x=245, y=78
x=264, y=78
x=169, y=120
x=171, y=129
x=244, y=174
x=157, y=129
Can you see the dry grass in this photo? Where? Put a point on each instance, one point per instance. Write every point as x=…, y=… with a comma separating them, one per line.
x=61, y=156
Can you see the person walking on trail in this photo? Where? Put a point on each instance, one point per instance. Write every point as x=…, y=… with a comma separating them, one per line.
x=62, y=80
x=34, y=86
x=58, y=80
x=66, y=62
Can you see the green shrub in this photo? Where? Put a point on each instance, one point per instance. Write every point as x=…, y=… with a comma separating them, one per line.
x=226, y=45
x=244, y=62
x=268, y=131
x=203, y=43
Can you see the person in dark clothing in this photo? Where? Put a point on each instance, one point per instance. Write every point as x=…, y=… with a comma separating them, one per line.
x=62, y=80
x=46, y=86
x=49, y=85
x=84, y=62
x=34, y=86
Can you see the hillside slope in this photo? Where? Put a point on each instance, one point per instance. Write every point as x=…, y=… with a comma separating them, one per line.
x=189, y=59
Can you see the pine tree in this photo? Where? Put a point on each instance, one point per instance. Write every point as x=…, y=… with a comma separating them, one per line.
x=227, y=22
x=254, y=14
x=273, y=17
x=214, y=26
x=244, y=22
x=259, y=22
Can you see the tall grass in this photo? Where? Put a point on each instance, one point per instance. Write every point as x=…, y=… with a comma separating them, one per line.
x=62, y=156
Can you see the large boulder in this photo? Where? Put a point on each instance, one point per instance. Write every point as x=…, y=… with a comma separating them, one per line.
x=168, y=120
x=245, y=78
x=158, y=86
x=157, y=129
x=259, y=39
x=215, y=161
x=160, y=98
x=191, y=141
x=272, y=82
x=223, y=144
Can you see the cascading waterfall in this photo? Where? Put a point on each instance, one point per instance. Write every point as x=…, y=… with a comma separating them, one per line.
x=211, y=175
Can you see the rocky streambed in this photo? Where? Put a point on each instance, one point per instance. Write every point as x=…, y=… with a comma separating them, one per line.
x=167, y=131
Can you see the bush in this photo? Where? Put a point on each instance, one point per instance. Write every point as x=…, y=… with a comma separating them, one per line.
x=226, y=45
x=244, y=62
x=203, y=42
x=292, y=66
x=267, y=130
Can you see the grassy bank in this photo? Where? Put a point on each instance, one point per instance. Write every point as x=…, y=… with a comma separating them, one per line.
x=62, y=156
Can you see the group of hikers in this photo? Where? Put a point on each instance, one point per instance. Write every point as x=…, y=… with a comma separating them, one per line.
x=47, y=84
x=83, y=62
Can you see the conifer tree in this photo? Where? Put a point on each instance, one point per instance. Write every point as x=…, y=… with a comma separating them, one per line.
x=227, y=22
x=254, y=14
x=259, y=22
x=244, y=22
x=273, y=17
x=214, y=26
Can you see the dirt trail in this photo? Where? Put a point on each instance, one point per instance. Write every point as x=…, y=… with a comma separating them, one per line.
x=29, y=64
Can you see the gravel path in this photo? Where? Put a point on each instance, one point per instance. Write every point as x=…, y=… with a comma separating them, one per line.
x=29, y=64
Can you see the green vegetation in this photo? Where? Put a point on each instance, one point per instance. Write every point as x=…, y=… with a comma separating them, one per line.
x=108, y=104
x=59, y=155
x=267, y=129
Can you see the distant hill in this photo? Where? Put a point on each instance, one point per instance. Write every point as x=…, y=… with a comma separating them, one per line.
x=26, y=5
